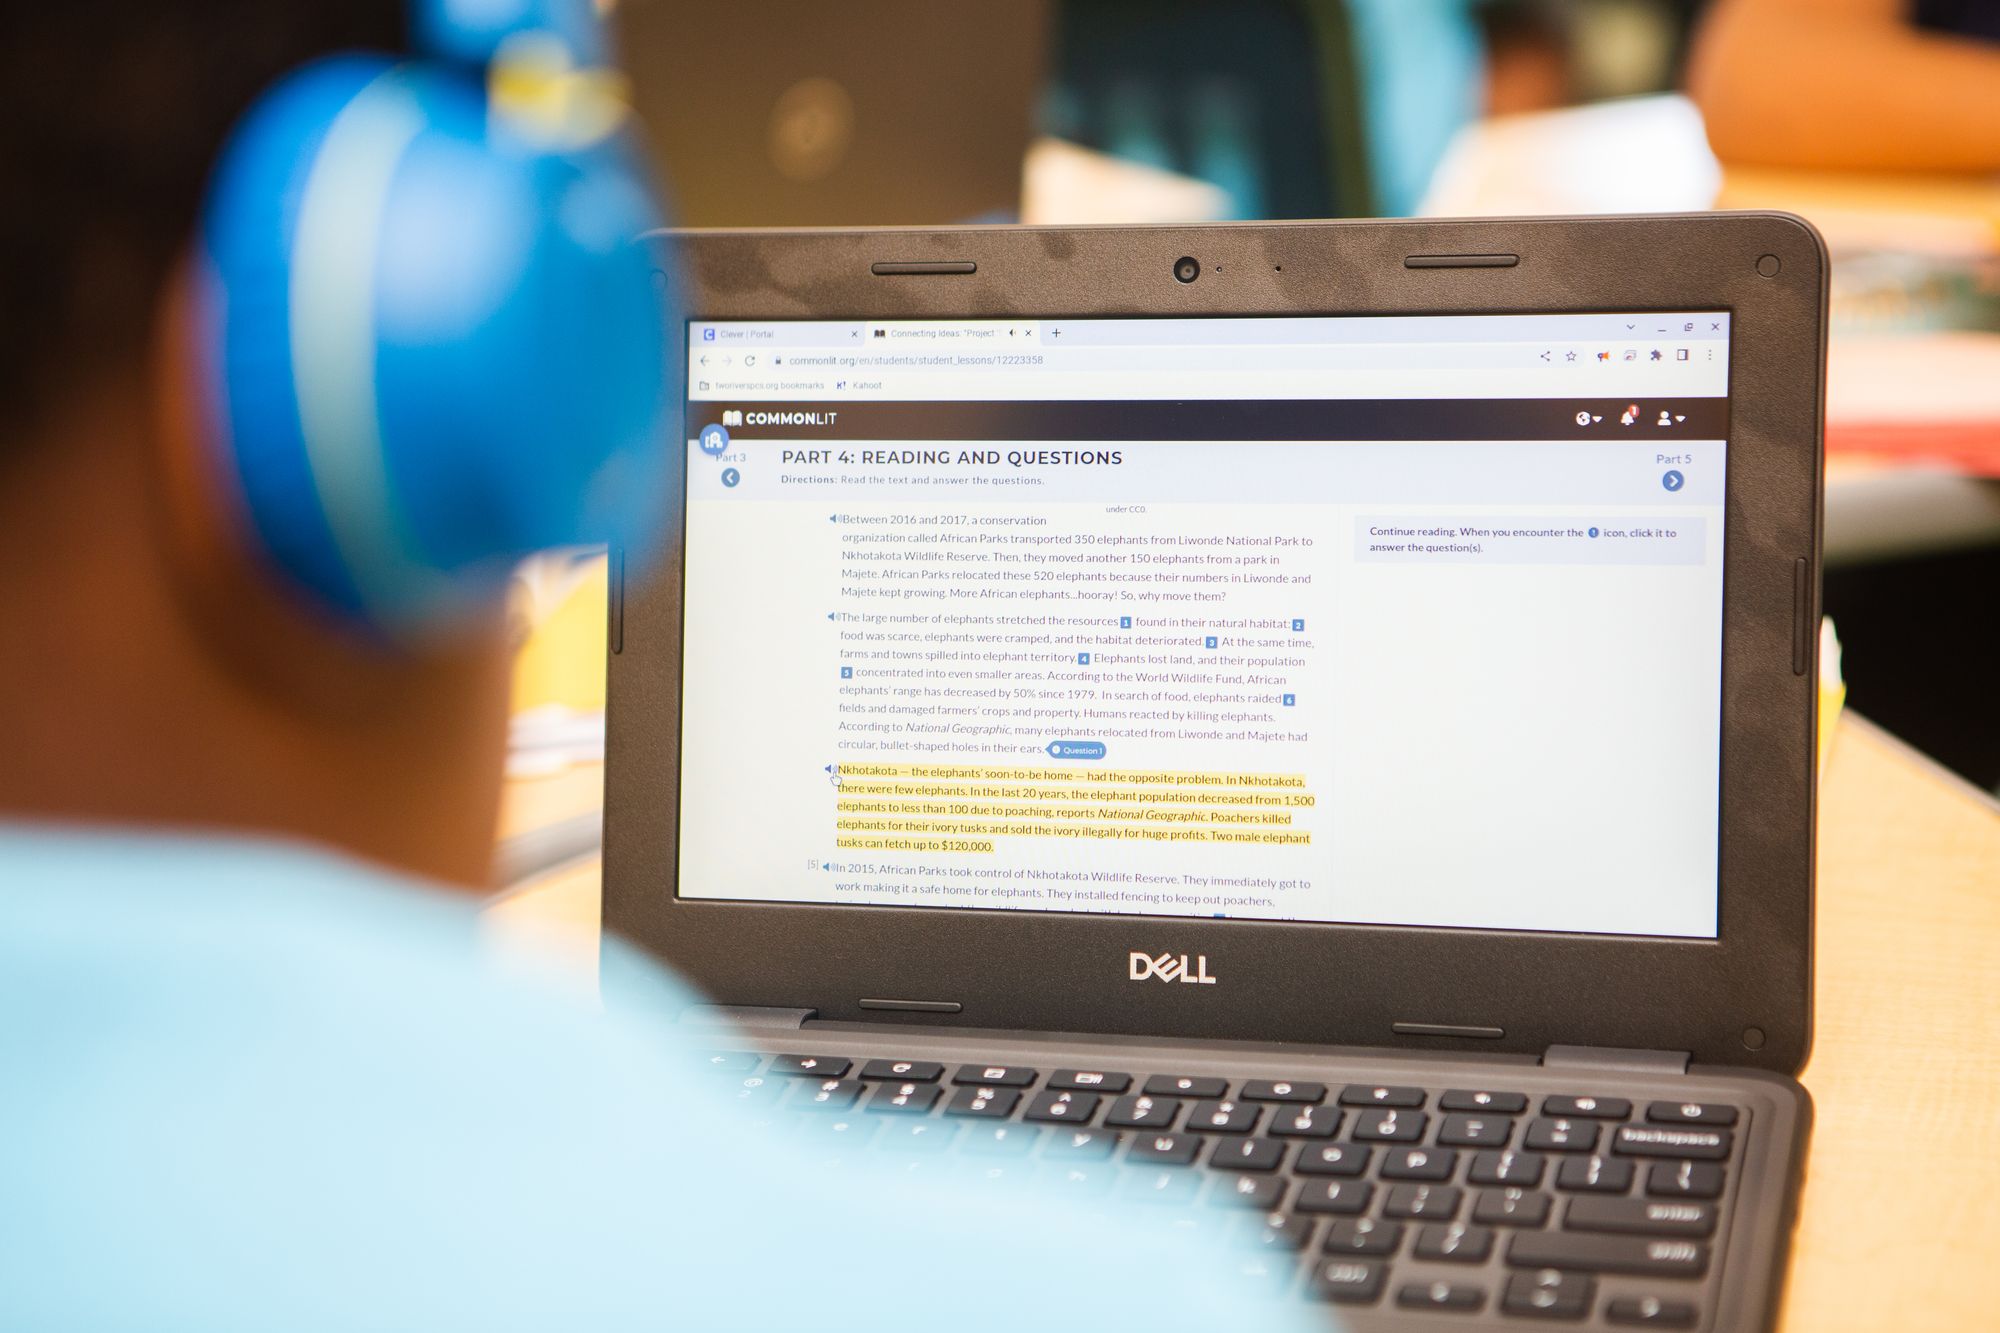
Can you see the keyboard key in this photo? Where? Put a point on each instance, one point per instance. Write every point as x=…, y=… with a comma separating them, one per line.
x=1599, y=1175
x=1636, y=1256
x=916, y=1136
x=811, y=1066
x=1362, y=1235
x=757, y=1089
x=1691, y=1113
x=1348, y=1282
x=905, y=1098
x=1160, y=1185
x=1642, y=1217
x=1143, y=1112
x=1454, y=1243
x=1549, y=1294
x=1590, y=1108
x=1306, y=1122
x=1265, y=1090
x=832, y=1094
x=990, y=1103
x=1511, y=1207
x=1247, y=1155
x=1079, y=1145
x=1186, y=1085
x=1419, y=1164
x=1476, y=1131
x=995, y=1076
x=1366, y=1094
x=1165, y=1149
x=1456, y=1297
x=1224, y=1117
x=1391, y=1126
x=1702, y=1144
x=1562, y=1136
x=904, y=1071
x=1507, y=1168
x=1089, y=1080
x=1333, y=1159
x=1263, y=1193
x=1062, y=1107
x=1078, y=1179
x=1423, y=1202
x=1651, y=1312
x=1278, y=1231
x=997, y=1172
x=1686, y=1180
x=1272, y=1270
x=998, y=1140
x=1474, y=1099
x=846, y=1131
x=1333, y=1196
x=729, y=1062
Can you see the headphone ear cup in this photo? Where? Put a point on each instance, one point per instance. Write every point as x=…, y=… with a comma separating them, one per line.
x=434, y=354
x=522, y=351
x=249, y=223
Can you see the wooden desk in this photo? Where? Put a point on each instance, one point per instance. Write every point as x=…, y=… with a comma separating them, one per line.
x=1902, y=1199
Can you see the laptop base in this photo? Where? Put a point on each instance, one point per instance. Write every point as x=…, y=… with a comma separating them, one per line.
x=1599, y=1188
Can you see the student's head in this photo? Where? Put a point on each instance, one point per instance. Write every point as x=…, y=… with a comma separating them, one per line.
x=150, y=668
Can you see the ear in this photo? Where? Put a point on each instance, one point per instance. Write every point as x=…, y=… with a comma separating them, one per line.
x=275, y=636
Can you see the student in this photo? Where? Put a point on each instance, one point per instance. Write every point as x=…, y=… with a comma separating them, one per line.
x=1880, y=84
x=258, y=1073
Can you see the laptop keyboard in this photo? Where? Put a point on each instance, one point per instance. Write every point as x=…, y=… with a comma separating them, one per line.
x=1458, y=1200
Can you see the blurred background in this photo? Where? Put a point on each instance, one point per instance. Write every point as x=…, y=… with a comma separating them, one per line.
x=1877, y=119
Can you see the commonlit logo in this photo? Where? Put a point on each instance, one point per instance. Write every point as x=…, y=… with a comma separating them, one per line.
x=1171, y=967
x=732, y=416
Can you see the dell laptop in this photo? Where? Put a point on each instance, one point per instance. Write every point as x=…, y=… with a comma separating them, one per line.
x=1306, y=725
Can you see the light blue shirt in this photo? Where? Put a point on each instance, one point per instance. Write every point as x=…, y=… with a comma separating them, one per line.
x=245, y=1086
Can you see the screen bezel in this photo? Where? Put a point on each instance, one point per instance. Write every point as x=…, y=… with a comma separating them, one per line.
x=1742, y=997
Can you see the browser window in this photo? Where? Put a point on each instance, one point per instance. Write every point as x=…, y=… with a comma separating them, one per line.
x=1406, y=621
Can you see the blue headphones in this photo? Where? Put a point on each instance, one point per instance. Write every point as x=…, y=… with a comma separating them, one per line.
x=437, y=340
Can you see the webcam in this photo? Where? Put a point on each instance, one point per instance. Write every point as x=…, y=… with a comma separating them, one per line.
x=1186, y=269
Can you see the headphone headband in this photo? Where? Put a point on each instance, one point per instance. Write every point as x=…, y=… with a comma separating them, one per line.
x=472, y=32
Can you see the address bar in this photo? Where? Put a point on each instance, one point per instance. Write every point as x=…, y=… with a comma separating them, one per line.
x=1236, y=357
x=1590, y=381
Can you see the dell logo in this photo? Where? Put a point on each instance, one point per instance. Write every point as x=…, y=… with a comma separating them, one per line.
x=1171, y=967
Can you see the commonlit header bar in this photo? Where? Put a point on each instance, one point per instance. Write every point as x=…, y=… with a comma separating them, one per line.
x=1661, y=420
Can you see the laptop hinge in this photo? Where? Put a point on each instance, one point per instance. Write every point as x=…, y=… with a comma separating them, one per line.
x=1603, y=1059
x=745, y=1017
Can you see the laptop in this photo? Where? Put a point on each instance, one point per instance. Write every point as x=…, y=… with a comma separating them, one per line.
x=1309, y=726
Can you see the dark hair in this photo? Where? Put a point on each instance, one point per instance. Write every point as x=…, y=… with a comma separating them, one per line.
x=111, y=115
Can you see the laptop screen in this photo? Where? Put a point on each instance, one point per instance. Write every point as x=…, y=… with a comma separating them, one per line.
x=1408, y=621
